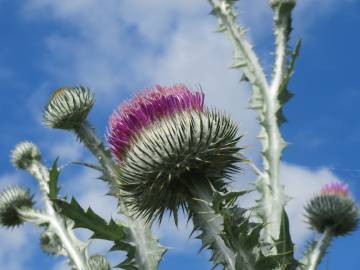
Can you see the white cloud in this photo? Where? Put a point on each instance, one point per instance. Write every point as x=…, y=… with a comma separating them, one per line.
x=14, y=242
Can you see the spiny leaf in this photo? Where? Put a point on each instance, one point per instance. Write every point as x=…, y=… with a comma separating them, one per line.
x=143, y=252
x=244, y=238
x=89, y=165
x=90, y=220
x=53, y=182
x=284, y=94
x=284, y=245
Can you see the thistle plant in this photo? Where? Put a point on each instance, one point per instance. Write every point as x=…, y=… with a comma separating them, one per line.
x=167, y=152
x=58, y=237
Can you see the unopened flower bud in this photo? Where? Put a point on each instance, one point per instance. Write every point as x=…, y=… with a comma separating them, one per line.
x=12, y=199
x=24, y=154
x=68, y=107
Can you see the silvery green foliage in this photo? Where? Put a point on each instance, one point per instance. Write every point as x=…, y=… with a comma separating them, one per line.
x=268, y=100
x=58, y=238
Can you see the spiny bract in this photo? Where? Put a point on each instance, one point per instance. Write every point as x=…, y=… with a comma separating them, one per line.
x=333, y=209
x=98, y=262
x=24, y=154
x=68, y=107
x=12, y=199
x=172, y=144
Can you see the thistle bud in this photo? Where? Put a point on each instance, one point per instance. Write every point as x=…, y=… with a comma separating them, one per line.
x=166, y=141
x=68, y=107
x=50, y=243
x=24, y=154
x=12, y=199
x=333, y=209
x=98, y=262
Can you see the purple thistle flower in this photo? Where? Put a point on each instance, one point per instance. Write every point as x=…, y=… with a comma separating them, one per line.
x=168, y=145
x=335, y=188
x=146, y=108
x=333, y=209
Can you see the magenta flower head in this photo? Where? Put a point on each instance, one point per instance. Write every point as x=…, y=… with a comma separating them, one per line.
x=333, y=209
x=166, y=142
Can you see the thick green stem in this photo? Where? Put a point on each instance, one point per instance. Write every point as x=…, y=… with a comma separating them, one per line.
x=68, y=240
x=319, y=250
x=88, y=137
x=139, y=230
x=265, y=101
x=211, y=226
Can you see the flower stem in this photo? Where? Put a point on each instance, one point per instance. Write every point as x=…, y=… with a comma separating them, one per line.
x=211, y=226
x=41, y=173
x=266, y=102
x=319, y=250
x=139, y=231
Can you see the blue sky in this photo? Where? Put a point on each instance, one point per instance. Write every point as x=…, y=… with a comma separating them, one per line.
x=117, y=47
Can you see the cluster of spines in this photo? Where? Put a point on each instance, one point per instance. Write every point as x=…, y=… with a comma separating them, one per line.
x=68, y=107
x=11, y=200
x=24, y=154
x=333, y=209
x=169, y=157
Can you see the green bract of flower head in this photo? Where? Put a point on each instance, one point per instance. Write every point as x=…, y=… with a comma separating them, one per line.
x=12, y=199
x=24, y=154
x=166, y=159
x=68, y=107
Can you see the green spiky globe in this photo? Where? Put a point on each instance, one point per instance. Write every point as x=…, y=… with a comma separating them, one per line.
x=12, y=199
x=68, y=107
x=166, y=159
x=332, y=211
x=24, y=154
x=98, y=262
x=50, y=243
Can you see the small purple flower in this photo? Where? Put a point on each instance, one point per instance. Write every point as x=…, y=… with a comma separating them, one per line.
x=333, y=209
x=146, y=108
x=335, y=188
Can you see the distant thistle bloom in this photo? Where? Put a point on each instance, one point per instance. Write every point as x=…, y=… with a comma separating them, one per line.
x=336, y=188
x=98, y=262
x=24, y=154
x=68, y=107
x=11, y=199
x=166, y=142
x=333, y=209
